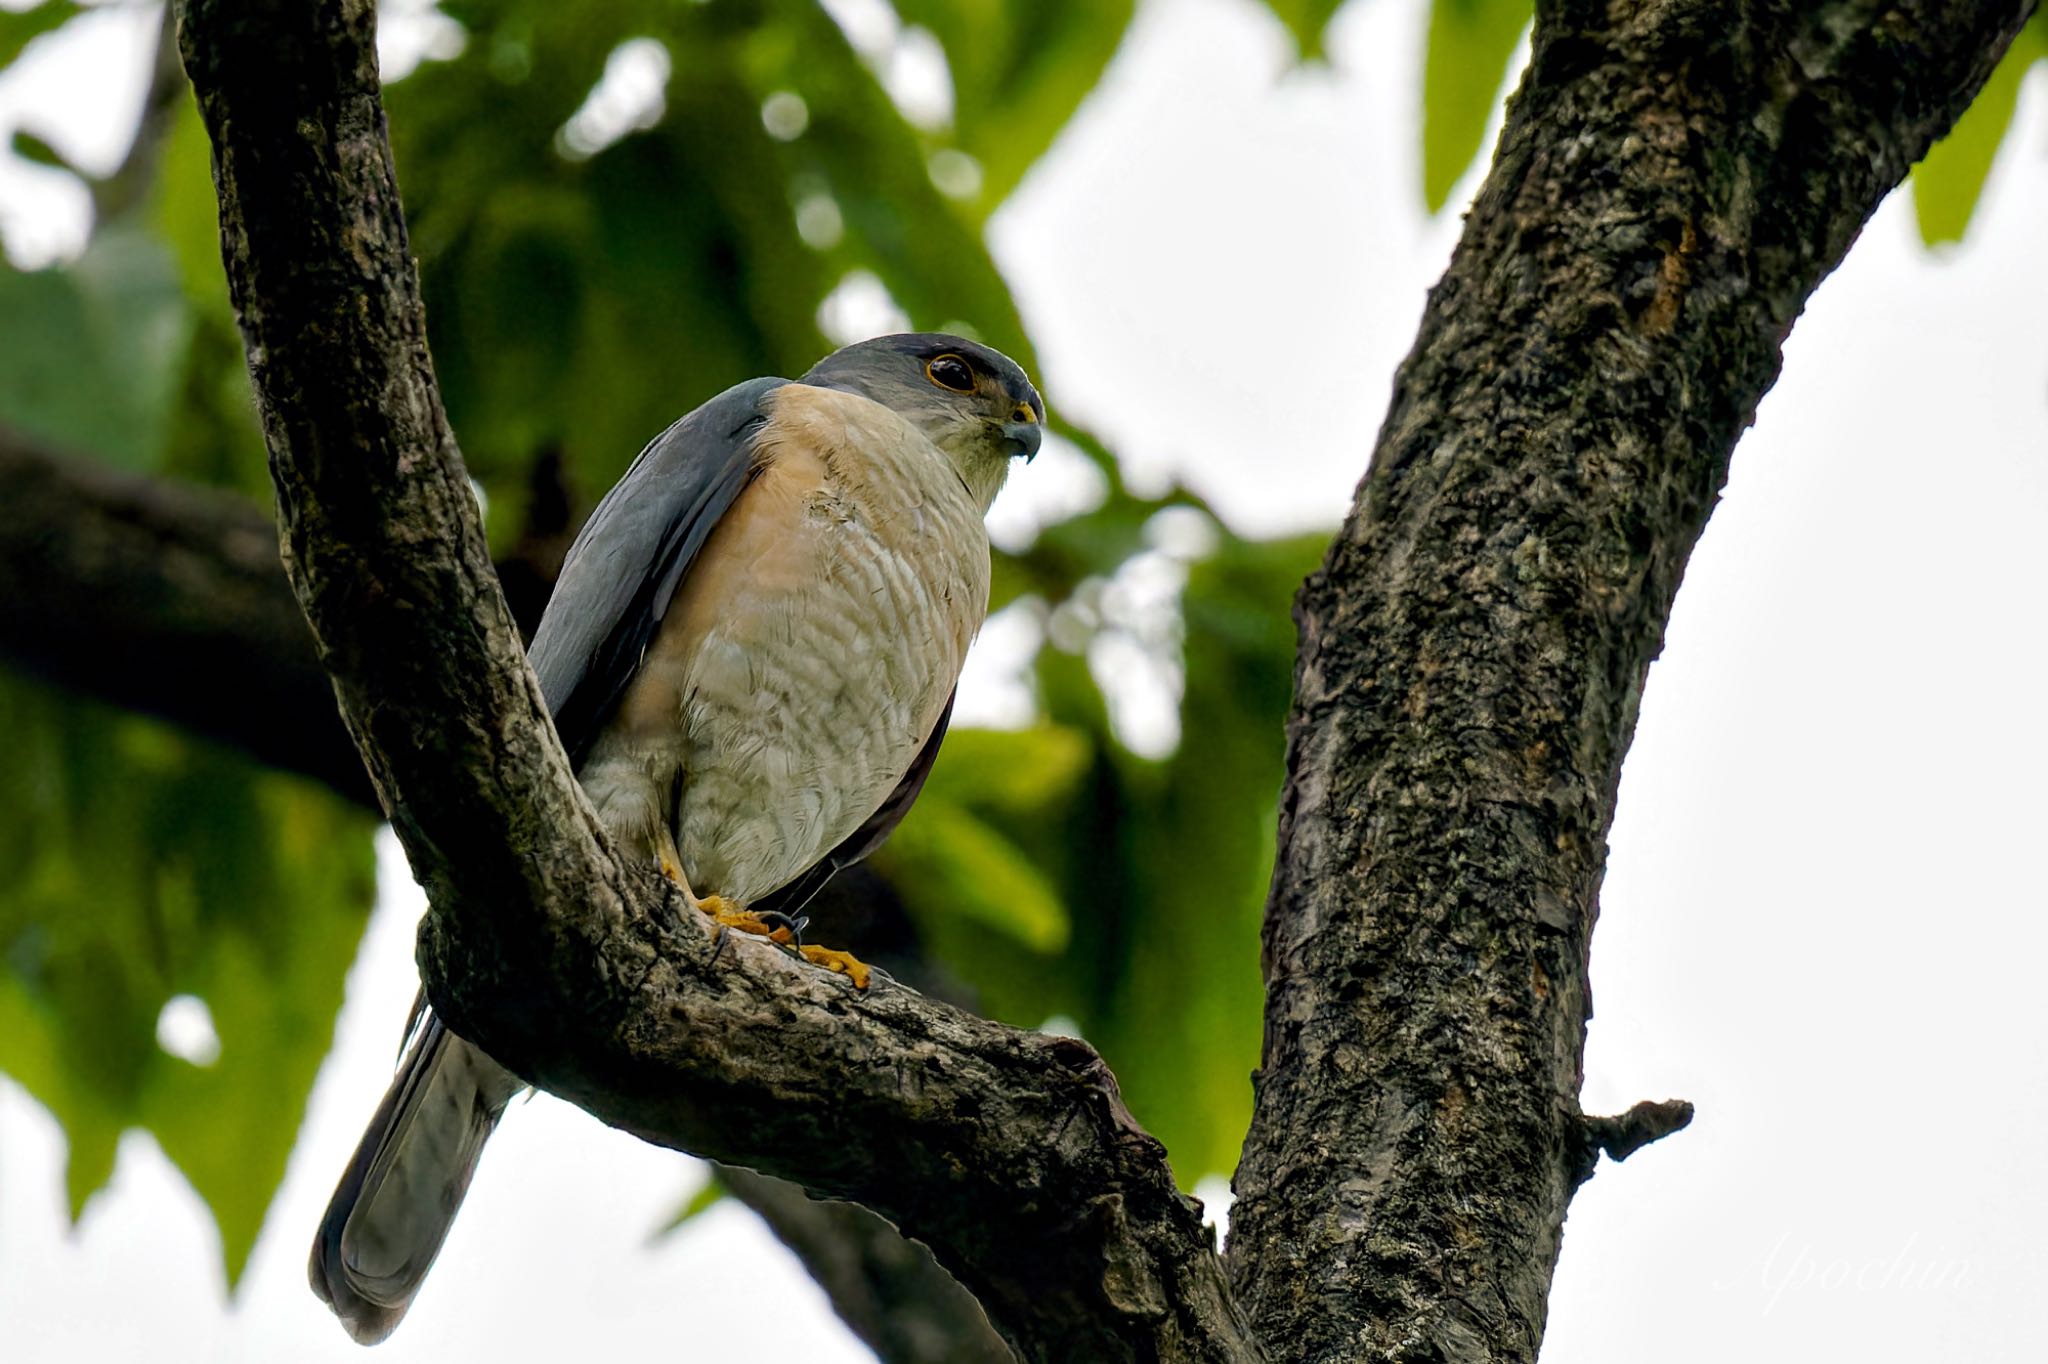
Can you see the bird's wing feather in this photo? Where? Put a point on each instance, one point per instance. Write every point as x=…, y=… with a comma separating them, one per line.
x=623, y=569
x=398, y=1196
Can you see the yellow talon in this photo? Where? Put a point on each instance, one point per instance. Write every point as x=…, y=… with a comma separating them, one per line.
x=732, y=914
x=845, y=963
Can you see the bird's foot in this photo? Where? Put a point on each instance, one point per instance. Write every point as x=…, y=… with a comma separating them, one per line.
x=845, y=963
x=784, y=932
x=779, y=929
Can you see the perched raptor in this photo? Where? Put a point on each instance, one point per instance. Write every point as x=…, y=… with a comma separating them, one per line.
x=750, y=657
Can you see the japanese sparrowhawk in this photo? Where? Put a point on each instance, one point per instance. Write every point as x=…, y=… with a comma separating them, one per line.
x=750, y=657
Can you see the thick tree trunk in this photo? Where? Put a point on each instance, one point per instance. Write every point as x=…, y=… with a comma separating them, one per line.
x=1672, y=183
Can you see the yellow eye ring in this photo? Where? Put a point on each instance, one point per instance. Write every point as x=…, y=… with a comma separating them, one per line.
x=950, y=372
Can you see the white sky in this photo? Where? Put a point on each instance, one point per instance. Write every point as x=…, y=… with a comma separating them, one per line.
x=1823, y=911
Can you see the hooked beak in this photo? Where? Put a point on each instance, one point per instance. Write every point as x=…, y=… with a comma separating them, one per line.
x=1021, y=438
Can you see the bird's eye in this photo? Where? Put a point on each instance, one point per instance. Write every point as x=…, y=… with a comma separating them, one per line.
x=950, y=371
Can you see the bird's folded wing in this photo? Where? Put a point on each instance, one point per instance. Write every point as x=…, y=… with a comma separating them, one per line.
x=623, y=569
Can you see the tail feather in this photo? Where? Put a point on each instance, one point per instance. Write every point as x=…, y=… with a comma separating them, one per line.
x=397, y=1199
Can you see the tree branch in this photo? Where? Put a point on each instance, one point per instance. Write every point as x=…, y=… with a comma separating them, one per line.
x=1009, y=1153
x=1672, y=183
x=1624, y=1134
x=167, y=599
x=888, y=1290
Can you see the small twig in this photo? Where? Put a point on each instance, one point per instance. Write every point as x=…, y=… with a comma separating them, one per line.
x=130, y=183
x=1624, y=1134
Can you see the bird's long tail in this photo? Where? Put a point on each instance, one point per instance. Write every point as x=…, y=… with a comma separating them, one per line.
x=396, y=1201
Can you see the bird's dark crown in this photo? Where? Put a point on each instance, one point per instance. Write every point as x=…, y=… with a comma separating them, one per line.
x=924, y=347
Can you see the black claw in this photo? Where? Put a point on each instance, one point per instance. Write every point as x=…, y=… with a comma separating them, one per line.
x=793, y=924
x=717, y=945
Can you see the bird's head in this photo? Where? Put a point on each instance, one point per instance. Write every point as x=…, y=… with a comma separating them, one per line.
x=972, y=402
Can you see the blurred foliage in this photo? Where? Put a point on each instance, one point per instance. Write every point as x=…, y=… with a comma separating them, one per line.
x=137, y=865
x=18, y=28
x=1020, y=68
x=90, y=355
x=1464, y=63
x=1305, y=21
x=709, y=1195
x=596, y=260
x=1947, y=183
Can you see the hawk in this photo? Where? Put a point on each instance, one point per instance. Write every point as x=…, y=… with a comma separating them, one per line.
x=750, y=658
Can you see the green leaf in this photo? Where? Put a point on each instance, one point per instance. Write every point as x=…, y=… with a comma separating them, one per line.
x=91, y=351
x=184, y=214
x=1003, y=772
x=1306, y=21
x=213, y=437
x=1020, y=69
x=708, y=1196
x=136, y=866
x=29, y=147
x=1949, y=180
x=18, y=28
x=1469, y=44
x=950, y=865
x=1201, y=841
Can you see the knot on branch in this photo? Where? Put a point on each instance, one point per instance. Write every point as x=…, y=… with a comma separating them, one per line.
x=1082, y=1061
x=1624, y=1134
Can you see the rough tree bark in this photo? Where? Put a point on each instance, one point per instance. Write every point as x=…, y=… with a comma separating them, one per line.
x=1673, y=181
